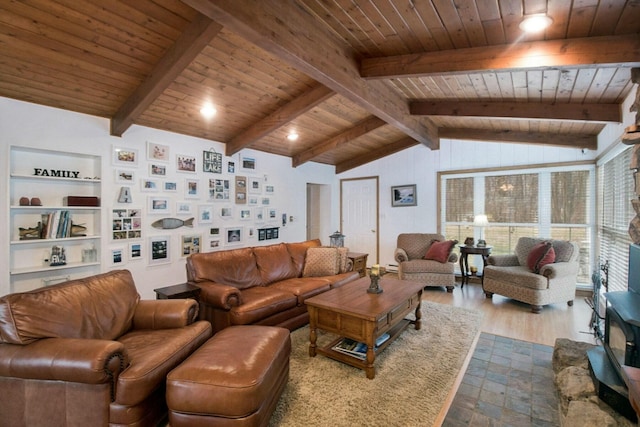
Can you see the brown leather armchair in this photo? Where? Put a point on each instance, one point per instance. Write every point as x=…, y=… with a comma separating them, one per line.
x=89, y=352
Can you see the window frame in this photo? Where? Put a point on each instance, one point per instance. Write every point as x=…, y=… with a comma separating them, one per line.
x=544, y=225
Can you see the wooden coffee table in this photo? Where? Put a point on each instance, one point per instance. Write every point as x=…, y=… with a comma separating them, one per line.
x=351, y=312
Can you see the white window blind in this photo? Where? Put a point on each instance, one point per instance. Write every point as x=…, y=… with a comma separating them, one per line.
x=554, y=202
x=615, y=191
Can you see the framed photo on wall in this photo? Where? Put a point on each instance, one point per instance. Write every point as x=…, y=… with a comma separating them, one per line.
x=170, y=186
x=125, y=176
x=135, y=251
x=245, y=214
x=158, y=205
x=185, y=163
x=149, y=185
x=219, y=190
x=156, y=169
x=157, y=152
x=214, y=244
x=126, y=224
x=233, y=235
x=226, y=212
x=404, y=195
x=117, y=256
x=191, y=188
x=255, y=186
x=183, y=208
x=125, y=156
x=191, y=244
x=205, y=214
x=248, y=164
x=159, y=250
x=241, y=190
x=258, y=215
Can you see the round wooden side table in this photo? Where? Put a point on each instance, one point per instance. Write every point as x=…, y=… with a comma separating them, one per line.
x=465, y=251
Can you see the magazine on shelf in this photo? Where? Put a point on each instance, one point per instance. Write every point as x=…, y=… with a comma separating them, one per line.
x=357, y=349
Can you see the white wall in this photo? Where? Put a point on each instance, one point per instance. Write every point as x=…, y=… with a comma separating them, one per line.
x=420, y=165
x=36, y=126
x=31, y=125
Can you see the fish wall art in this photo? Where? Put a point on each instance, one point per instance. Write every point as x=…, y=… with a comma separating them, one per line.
x=171, y=223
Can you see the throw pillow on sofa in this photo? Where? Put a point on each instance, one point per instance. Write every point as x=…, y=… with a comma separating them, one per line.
x=440, y=251
x=321, y=262
x=540, y=255
x=343, y=259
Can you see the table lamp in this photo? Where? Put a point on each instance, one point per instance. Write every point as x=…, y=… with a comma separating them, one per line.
x=481, y=221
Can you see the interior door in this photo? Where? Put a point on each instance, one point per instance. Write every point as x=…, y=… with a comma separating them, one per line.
x=359, y=215
x=318, y=223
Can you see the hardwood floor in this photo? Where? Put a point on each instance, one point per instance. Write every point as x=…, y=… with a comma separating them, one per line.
x=512, y=319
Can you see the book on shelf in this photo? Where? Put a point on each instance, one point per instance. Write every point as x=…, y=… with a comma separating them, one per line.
x=357, y=349
x=56, y=225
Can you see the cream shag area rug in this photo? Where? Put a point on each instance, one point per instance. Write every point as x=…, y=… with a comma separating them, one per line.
x=414, y=376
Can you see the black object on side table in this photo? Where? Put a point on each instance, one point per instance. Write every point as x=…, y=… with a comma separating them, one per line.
x=465, y=251
x=183, y=290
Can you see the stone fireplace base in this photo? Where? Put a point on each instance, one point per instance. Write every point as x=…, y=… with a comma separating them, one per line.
x=579, y=402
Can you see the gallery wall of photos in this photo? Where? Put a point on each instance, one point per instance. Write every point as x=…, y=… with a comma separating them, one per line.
x=211, y=202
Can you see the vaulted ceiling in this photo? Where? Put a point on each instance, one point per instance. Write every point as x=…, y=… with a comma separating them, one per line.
x=356, y=79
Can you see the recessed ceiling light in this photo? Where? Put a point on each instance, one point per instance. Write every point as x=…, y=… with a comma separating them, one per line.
x=208, y=111
x=292, y=136
x=535, y=23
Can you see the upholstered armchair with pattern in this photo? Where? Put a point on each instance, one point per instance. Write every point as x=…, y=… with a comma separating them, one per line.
x=426, y=258
x=540, y=272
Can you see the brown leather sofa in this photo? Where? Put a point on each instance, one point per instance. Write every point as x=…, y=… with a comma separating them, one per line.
x=265, y=285
x=89, y=352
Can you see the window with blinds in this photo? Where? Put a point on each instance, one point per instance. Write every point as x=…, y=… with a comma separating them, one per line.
x=615, y=192
x=544, y=202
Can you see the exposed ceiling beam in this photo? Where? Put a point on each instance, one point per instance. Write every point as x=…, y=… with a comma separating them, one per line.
x=574, y=53
x=185, y=49
x=387, y=150
x=279, y=118
x=361, y=128
x=284, y=29
x=487, y=135
x=602, y=113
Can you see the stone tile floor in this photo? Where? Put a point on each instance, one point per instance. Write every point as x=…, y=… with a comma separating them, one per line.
x=507, y=383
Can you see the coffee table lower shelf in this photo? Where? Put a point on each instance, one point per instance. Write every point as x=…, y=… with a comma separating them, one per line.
x=328, y=350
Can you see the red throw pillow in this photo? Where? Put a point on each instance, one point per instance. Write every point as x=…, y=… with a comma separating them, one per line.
x=540, y=255
x=440, y=251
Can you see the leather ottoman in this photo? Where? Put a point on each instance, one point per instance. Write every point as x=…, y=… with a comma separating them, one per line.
x=233, y=379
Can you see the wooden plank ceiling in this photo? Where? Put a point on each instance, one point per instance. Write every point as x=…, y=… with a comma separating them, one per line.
x=356, y=79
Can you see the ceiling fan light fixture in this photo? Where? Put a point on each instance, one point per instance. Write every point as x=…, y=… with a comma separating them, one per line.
x=208, y=111
x=535, y=23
